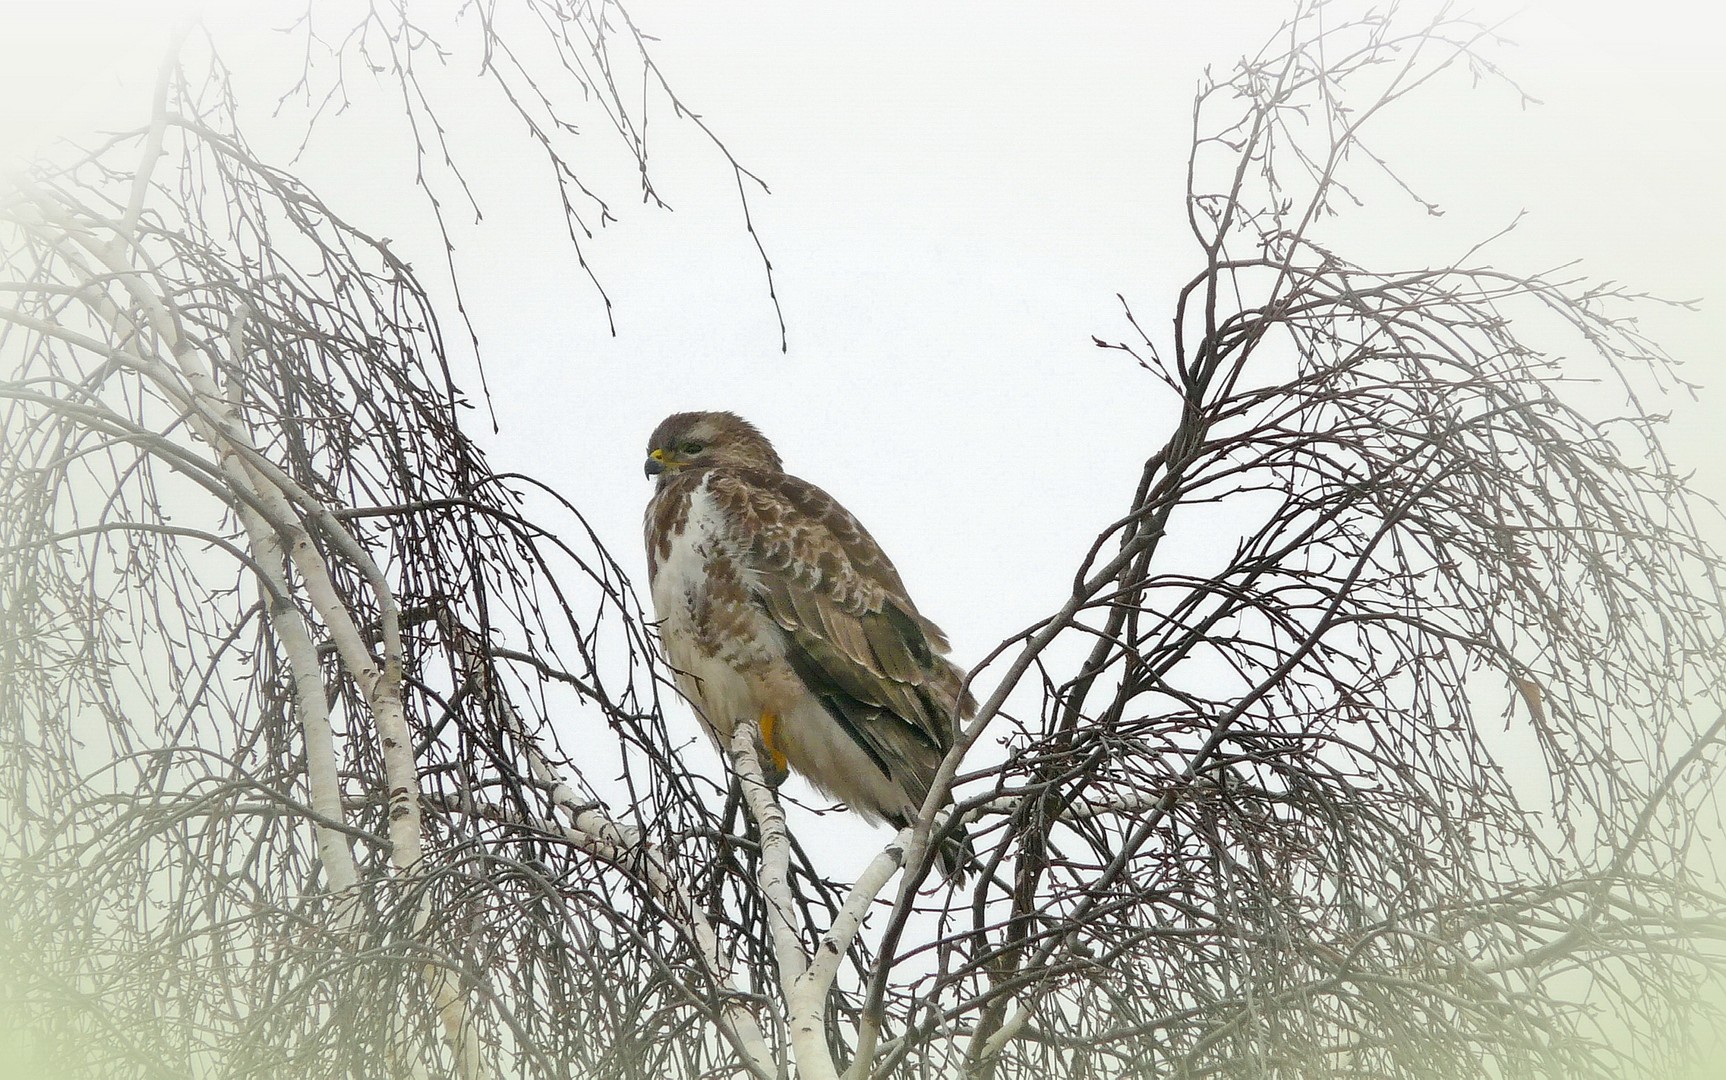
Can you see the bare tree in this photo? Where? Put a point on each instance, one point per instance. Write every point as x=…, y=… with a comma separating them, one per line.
x=281, y=657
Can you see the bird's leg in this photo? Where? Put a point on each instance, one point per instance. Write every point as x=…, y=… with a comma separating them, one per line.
x=780, y=767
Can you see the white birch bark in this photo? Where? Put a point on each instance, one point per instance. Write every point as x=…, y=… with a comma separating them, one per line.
x=805, y=980
x=803, y=1022
x=275, y=527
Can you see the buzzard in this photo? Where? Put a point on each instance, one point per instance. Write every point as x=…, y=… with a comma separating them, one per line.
x=777, y=608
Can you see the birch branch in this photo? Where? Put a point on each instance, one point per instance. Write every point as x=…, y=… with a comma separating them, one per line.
x=190, y=385
x=153, y=138
x=382, y=690
x=289, y=624
x=804, y=1012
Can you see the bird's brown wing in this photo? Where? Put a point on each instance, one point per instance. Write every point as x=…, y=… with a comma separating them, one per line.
x=854, y=636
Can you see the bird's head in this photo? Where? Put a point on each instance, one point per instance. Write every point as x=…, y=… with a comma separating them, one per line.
x=702, y=440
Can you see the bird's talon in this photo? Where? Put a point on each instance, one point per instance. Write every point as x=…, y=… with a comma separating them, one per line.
x=780, y=765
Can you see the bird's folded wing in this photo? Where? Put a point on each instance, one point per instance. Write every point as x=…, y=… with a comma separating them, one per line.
x=852, y=631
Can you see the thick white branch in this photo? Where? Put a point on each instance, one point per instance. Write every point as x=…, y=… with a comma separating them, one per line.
x=1003, y=1035
x=153, y=138
x=213, y=417
x=836, y=942
x=310, y=703
x=803, y=999
x=189, y=382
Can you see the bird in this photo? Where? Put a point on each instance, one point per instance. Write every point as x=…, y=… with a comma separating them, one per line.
x=776, y=607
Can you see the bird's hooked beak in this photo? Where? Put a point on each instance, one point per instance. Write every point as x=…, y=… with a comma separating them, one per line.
x=658, y=461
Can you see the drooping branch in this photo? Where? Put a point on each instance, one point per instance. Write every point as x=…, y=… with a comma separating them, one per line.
x=230, y=402
x=559, y=71
x=1269, y=808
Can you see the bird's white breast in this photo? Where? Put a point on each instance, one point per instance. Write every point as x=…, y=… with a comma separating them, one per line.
x=680, y=588
x=681, y=579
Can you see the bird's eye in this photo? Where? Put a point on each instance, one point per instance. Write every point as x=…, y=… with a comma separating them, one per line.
x=692, y=448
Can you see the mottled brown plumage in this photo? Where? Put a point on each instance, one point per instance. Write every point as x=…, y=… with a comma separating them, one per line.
x=778, y=608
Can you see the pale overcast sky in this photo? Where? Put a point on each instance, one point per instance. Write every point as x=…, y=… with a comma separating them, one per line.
x=959, y=191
